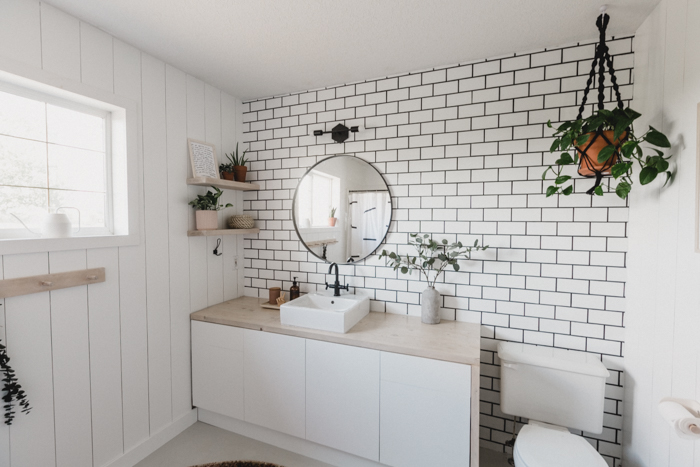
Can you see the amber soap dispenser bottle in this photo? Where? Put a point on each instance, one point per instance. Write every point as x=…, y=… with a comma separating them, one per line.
x=294, y=290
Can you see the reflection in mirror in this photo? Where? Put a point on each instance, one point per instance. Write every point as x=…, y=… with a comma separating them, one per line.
x=342, y=209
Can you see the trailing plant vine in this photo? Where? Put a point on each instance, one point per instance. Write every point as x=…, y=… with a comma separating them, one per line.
x=432, y=257
x=12, y=392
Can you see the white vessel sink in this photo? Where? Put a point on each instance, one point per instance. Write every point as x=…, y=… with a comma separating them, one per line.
x=325, y=312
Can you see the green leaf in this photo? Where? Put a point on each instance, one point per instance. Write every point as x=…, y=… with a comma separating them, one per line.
x=606, y=153
x=456, y=266
x=657, y=138
x=566, y=142
x=544, y=174
x=444, y=242
x=628, y=148
x=647, y=175
x=623, y=189
x=565, y=159
x=632, y=114
x=598, y=190
x=621, y=128
x=551, y=190
x=668, y=177
x=561, y=180
x=555, y=145
x=661, y=166
x=620, y=169
x=392, y=255
x=568, y=190
x=476, y=242
x=583, y=139
x=404, y=270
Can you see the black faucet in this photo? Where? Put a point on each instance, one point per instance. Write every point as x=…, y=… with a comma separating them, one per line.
x=336, y=287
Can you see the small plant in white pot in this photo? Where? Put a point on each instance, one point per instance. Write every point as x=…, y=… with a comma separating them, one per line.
x=332, y=219
x=207, y=207
x=431, y=261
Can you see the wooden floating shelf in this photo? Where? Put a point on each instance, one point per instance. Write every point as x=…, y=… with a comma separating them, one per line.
x=48, y=282
x=216, y=233
x=223, y=184
x=321, y=242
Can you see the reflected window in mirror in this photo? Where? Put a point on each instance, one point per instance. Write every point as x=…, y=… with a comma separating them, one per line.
x=318, y=193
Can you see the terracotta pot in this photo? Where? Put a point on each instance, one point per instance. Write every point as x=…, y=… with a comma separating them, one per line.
x=588, y=169
x=239, y=172
x=332, y=221
x=207, y=220
x=227, y=175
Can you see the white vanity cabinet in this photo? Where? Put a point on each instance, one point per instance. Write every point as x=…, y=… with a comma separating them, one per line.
x=342, y=397
x=354, y=399
x=274, y=380
x=217, y=368
x=425, y=412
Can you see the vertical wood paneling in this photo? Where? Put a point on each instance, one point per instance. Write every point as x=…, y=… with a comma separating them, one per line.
x=156, y=223
x=28, y=318
x=198, y=245
x=230, y=242
x=178, y=218
x=60, y=42
x=4, y=429
x=71, y=364
x=105, y=357
x=215, y=264
x=20, y=31
x=132, y=280
x=97, y=64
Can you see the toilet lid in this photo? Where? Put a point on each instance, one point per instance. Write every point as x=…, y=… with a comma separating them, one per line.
x=540, y=446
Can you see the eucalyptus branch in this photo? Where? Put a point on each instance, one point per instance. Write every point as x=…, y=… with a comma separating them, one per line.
x=12, y=392
x=431, y=257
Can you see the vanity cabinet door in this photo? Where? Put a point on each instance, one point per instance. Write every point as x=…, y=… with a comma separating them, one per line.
x=217, y=368
x=425, y=412
x=342, y=398
x=274, y=369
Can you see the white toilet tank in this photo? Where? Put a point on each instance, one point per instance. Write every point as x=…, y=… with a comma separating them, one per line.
x=556, y=386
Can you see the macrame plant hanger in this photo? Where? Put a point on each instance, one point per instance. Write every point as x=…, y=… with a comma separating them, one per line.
x=587, y=168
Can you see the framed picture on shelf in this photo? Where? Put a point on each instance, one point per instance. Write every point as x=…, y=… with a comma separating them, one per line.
x=203, y=158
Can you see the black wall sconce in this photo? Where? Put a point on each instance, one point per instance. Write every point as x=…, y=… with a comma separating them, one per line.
x=339, y=133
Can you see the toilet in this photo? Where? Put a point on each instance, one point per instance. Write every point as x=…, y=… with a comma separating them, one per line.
x=555, y=389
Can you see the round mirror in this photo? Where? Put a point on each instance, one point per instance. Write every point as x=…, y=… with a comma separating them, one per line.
x=342, y=209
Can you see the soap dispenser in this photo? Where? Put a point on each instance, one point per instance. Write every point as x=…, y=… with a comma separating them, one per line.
x=294, y=290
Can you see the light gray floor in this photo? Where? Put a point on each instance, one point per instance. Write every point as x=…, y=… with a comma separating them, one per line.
x=202, y=443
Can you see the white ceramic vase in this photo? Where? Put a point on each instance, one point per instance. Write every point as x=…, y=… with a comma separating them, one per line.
x=430, y=306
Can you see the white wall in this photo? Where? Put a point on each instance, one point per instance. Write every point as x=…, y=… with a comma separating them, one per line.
x=463, y=149
x=663, y=315
x=107, y=366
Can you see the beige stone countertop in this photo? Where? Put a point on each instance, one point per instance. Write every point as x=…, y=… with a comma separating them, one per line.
x=451, y=341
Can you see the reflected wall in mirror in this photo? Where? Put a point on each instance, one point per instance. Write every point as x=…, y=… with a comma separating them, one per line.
x=342, y=209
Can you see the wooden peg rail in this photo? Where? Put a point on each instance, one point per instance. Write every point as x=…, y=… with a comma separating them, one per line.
x=46, y=282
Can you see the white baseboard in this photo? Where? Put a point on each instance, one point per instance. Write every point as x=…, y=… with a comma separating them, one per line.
x=143, y=450
x=284, y=441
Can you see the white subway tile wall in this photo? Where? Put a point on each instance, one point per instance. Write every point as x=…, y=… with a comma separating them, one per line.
x=463, y=149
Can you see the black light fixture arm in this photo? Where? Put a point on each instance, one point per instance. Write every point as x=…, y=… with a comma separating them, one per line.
x=339, y=133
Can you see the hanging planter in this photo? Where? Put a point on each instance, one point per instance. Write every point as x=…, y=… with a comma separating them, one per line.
x=605, y=143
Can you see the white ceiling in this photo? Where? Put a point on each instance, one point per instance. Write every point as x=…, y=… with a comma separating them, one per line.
x=261, y=48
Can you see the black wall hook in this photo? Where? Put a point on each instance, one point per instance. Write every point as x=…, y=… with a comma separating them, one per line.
x=216, y=249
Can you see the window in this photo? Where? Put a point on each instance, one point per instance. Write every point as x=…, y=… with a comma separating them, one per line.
x=53, y=154
x=64, y=144
x=318, y=194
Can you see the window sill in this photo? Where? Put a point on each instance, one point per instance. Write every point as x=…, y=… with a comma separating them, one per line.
x=14, y=246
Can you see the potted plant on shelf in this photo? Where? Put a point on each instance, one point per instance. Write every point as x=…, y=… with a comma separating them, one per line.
x=207, y=207
x=431, y=261
x=226, y=171
x=332, y=219
x=238, y=164
x=606, y=143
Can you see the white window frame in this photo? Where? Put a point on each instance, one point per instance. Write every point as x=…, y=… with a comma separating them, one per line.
x=123, y=184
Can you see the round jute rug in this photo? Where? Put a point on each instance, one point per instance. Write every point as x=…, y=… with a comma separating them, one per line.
x=239, y=464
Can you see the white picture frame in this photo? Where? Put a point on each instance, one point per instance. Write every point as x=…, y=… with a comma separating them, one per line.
x=203, y=159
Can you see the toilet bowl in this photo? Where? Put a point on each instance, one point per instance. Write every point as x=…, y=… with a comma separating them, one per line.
x=544, y=445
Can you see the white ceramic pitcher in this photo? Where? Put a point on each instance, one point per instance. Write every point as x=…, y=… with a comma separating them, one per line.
x=55, y=225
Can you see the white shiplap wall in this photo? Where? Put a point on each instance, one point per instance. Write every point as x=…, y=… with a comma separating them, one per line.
x=107, y=366
x=663, y=351
x=463, y=149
